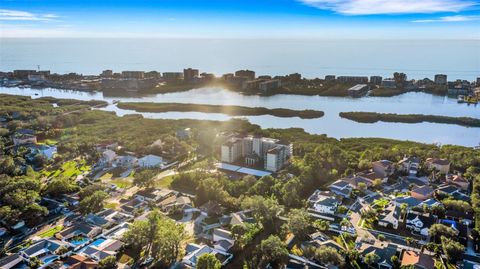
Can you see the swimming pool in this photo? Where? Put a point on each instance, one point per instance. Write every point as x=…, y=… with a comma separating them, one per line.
x=98, y=242
x=49, y=259
x=79, y=242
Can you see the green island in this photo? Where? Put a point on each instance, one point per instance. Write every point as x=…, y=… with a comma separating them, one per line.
x=372, y=117
x=225, y=109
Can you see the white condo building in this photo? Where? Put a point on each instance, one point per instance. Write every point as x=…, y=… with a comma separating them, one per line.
x=253, y=149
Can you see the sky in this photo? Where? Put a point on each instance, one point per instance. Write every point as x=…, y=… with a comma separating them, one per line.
x=317, y=19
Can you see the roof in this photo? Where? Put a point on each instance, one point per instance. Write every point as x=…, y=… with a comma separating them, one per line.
x=438, y=161
x=11, y=261
x=340, y=184
x=423, y=190
x=384, y=250
x=448, y=189
x=417, y=258
x=427, y=221
x=253, y=172
x=384, y=163
x=222, y=233
x=410, y=201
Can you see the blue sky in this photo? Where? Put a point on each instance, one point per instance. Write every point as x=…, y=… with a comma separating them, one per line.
x=415, y=19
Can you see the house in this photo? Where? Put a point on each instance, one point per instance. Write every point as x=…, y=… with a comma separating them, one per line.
x=153, y=195
x=430, y=202
x=108, y=156
x=459, y=181
x=24, y=139
x=151, y=161
x=78, y=234
x=211, y=208
x=341, y=188
x=460, y=228
x=12, y=261
x=45, y=250
x=102, y=248
x=409, y=165
x=384, y=250
x=194, y=251
x=132, y=205
x=297, y=262
x=80, y=262
x=107, y=218
x=319, y=239
x=417, y=260
x=242, y=217
x=125, y=161
x=222, y=239
x=422, y=193
x=323, y=202
x=441, y=165
x=390, y=216
x=184, y=134
x=383, y=168
x=449, y=190
x=419, y=223
x=410, y=201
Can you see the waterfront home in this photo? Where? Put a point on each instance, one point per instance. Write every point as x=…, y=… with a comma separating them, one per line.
x=383, y=168
x=222, y=239
x=409, y=165
x=323, y=202
x=422, y=193
x=341, y=187
x=194, y=251
x=419, y=223
x=417, y=260
x=390, y=216
x=458, y=180
x=45, y=250
x=383, y=250
x=440, y=165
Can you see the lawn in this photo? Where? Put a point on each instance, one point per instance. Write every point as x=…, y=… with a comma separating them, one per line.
x=381, y=203
x=111, y=205
x=51, y=232
x=164, y=182
x=123, y=183
x=71, y=169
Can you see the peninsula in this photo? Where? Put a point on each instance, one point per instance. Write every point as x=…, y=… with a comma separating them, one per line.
x=224, y=109
x=372, y=117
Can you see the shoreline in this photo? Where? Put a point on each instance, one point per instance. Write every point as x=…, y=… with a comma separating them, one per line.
x=223, y=109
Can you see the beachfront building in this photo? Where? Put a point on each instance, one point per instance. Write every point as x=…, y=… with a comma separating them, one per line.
x=352, y=79
x=269, y=85
x=441, y=79
x=358, y=90
x=376, y=80
x=190, y=74
x=253, y=149
x=245, y=73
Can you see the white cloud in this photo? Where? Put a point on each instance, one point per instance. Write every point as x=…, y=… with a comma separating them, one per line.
x=458, y=18
x=18, y=15
x=370, y=7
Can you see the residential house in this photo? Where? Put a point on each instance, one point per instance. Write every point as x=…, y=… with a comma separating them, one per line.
x=383, y=168
x=24, y=139
x=382, y=249
x=222, y=239
x=194, y=251
x=45, y=250
x=410, y=201
x=153, y=195
x=341, y=187
x=78, y=235
x=80, y=262
x=240, y=218
x=319, y=239
x=211, y=208
x=132, y=205
x=107, y=218
x=390, y=216
x=151, y=161
x=419, y=223
x=184, y=134
x=108, y=156
x=459, y=181
x=409, y=165
x=417, y=260
x=102, y=248
x=430, y=202
x=422, y=193
x=323, y=202
x=12, y=261
x=441, y=165
x=125, y=161
x=460, y=228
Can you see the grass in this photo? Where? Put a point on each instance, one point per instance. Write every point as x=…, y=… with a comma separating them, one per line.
x=123, y=183
x=111, y=205
x=51, y=232
x=382, y=203
x=71, y=169
x=164, y=182
x=125, y=259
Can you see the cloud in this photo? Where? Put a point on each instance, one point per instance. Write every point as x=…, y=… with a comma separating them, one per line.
x=458, y=18
x=371, y=7
x=18, y=15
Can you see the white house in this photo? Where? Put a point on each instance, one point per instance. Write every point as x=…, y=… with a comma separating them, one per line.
x=108, y=156
x=323, y=202
x=419, y=223
x=222, y=239
x=150, y=161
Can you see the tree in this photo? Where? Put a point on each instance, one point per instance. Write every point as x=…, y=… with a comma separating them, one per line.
x=321, y=225
x=436, y=231
x=35, y=263
x=371, y=258
x=274, y=251
x=452, y=249
x=144, y=179
x=93, y=203
x=298, y=223
x=381, y=237
x=377, y=183
x=264, y=209
x=362, y=186
x=329, y=256
x=59, y=186
x=208, y=261
x=400, y=79
x=395, y=261
x=158, y=237
x=109, y=262
x=342, y=209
